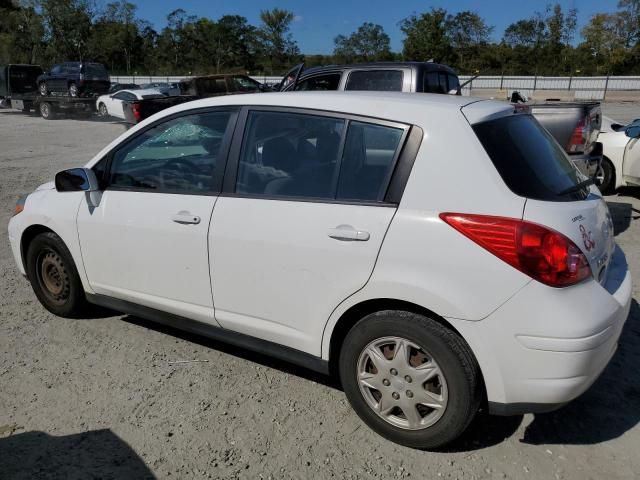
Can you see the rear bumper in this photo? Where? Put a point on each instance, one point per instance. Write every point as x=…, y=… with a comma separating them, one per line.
x=589, y=163
x=545, y=346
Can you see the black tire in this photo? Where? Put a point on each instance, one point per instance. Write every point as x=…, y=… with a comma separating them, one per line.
x=102, y=110
x=47, y=111
x=43, y=89
x=54, y=277
x=73, y=90
x=459, y=369
x=607, y=177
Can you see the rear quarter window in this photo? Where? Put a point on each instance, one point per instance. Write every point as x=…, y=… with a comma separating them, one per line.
x=527, y=157
x=375, y=80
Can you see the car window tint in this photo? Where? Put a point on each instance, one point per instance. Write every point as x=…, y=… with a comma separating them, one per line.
x=289, y=155
x=56, y=69
x=179, y=155
x=367, y=161
x=377, y=80
x=527, y=157
x=120, y=96
x=320, y=82
x=244, y=84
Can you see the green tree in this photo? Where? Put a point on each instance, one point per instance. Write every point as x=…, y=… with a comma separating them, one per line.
x=67, y=28
x=427, y=37
x=368, y=43
x=279, y=46
x=604, y=39
x=468, y=33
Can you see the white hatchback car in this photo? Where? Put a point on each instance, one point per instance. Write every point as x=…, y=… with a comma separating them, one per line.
x=438, y=253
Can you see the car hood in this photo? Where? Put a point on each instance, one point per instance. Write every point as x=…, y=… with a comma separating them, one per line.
x=47, y=186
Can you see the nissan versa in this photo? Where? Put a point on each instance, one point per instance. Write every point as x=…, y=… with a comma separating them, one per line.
x=438, y=253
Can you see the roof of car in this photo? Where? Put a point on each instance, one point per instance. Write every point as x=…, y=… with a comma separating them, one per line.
x=398, y=106
x=372, y=65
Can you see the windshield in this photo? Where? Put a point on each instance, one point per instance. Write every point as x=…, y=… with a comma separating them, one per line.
x=529, y=160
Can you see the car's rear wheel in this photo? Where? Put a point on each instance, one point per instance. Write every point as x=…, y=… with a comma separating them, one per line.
x=54, y=277
x=73, y=90
x=410, y=379
x=102, y=110
x=44, y=90
x=47, y=111
x=606, y=176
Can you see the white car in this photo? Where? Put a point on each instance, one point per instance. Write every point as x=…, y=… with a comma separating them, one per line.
x=436, y=252
x=111, y=105
x=621, y=159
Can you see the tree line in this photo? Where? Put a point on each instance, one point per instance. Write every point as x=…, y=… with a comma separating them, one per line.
x=546, y=43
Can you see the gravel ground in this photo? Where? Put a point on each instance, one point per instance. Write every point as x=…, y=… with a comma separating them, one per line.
x=99, y=398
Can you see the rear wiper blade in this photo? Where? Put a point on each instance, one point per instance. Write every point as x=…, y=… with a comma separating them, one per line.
x=578, y=187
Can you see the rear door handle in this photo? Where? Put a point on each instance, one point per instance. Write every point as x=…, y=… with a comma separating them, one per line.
x=185, y=218
x=348, y=233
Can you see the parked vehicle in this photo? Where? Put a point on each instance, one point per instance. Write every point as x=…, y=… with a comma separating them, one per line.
x=574, y=125
x=423, y=77
x=75, y=79
x=116, y=87
x=621, y=160
x=437, y=252
x=112, y=105
x=193, y=89
x=164, y=87
x=16, y=81
x=215, y=85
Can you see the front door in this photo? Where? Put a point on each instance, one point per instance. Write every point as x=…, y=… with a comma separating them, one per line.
x=146, y=241
x=301, y=227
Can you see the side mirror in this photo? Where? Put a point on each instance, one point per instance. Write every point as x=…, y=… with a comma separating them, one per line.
x=77, y=180
x=632, y=131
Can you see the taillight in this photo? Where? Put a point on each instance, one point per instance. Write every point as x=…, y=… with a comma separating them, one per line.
x=543, y=254
x=580, y=136
x=135, y=108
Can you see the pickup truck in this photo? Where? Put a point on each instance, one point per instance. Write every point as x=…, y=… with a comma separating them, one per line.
x=575, y=125
x=193, y=89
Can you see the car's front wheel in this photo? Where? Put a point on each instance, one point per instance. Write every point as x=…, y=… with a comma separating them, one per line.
x=54, y=277
x=410, y=379
x=606, y=176
x=102, y=110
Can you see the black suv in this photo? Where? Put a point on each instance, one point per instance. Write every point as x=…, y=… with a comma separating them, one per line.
x=378, y=76
x=76, y=79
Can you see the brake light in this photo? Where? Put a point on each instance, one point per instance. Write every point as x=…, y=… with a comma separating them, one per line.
x=543, y=254
x=135, y=108
x=580, y=136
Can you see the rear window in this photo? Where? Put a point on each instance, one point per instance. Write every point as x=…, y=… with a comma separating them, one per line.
x=529, y=160
x=440, y=82
x=375, y=80
x=95, y=70
x=245, y=84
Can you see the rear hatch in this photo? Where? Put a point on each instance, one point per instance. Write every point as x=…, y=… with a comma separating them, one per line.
x=95, y=78
x=533, y=165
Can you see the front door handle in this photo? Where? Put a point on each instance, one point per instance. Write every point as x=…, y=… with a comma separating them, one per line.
x=348, y=233
x=185, y=218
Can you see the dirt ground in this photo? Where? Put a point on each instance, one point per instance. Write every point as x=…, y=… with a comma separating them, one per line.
x=100, y=398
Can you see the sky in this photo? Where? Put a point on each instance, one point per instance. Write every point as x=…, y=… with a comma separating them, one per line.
x=318, y=22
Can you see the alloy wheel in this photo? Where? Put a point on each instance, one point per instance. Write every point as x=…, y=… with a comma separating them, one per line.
x=402, y=383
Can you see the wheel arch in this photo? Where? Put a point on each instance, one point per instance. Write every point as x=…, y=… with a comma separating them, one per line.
x=29, y=233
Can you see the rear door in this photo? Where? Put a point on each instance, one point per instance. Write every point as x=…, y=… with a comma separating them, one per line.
x=301, y=220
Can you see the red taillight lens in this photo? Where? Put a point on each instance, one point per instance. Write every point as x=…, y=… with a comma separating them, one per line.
x=580, y=136
x=135, y=108
x=543, y=254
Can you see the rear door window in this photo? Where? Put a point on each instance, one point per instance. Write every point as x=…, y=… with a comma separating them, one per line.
x=367, y=162
x=528, y=158
x=375, y=80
